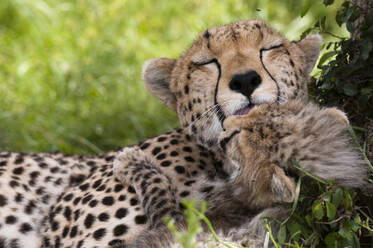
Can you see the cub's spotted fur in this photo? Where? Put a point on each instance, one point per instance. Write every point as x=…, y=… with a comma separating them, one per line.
x=267, y=141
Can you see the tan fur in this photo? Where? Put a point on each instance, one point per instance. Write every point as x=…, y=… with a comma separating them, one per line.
x=267, y=140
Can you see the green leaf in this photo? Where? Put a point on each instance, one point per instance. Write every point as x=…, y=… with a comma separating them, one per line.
x=305, y=7
x=325, y=57
x=318, y=211
x=331, y=240
x=294, y=230
x=366, y=48
x=345, y=233
x=350, y=89
x=328, y=2
x=330, y=210
x=337, y=197
x=281, y=235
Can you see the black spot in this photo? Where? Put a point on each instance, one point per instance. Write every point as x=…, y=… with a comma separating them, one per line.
x=121, y=213
x=165, y=163
x=207, y=189
x=87, y=199
x=189, y=183
x=161, y=139
x=118, y=187
x=184, y=194
x=84, y=186
x=116, y=243
x=174, y=153
x=67, y=213
x=18, y=171
x=43, y=165
x=131, y=189
x=140, y=219
x=174, y=142
x=144, y=146
x=109, y=158
x=156, y=151
x=73, y=231
x=14, y=183
x=76, y=214
x=161, y=156
x=291, y=63
x=187, y=149
x=55, y=225
x=180, y=169
x=80, y=244
x=25, y=228
x=108, y=201
x=206, y=34
x=10, y=219
x=3, y=200
x=189, y=159
x=89, y=220
x=99, y=233
x=101, y=188
x=134, y=201
x=120, y=230
x=19, y=160
x=186, y=89
x=103, y=217
x=77, y=200
x=65, y=231
x=96, y=183
x=68, y=197
x=30, y=207
x=157, y=180
x=93, y=203
x=122, y=198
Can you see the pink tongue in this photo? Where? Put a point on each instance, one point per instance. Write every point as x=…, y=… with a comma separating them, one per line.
x=242, y=111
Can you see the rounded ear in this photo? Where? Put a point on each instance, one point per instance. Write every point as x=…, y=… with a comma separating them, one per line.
x=156, y=74
x=310, y=45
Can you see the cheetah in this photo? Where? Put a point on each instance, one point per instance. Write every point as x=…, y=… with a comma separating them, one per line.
x=264, y=143
x=227, y=71
x=267, y=141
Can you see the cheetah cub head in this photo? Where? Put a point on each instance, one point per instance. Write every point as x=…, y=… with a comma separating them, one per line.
x=227, y=71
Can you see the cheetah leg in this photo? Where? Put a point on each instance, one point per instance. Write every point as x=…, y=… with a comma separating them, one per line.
x=157, y=196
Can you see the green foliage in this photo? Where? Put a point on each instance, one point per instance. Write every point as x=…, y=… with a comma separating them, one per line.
x=346, y=76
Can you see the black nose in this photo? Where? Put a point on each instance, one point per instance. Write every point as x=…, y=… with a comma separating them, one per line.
x=245, y=83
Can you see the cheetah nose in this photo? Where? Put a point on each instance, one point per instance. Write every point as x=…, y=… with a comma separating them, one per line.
x=245, y=83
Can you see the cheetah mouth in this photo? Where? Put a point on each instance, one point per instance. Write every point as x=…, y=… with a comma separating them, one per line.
x=245, y=110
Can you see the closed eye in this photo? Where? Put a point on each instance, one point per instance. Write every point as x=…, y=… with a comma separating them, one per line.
x=205, y=63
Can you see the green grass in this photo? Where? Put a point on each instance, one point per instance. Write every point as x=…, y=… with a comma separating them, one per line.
x=70, y=69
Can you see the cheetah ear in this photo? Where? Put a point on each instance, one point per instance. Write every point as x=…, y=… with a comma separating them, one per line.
x=156, y=74
x=311, y=47
x=282, y=186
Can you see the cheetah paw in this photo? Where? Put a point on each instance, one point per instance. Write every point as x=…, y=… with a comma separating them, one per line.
x=338, y=115
x=126, y=159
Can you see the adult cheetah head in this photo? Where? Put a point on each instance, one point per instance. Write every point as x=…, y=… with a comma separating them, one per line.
x=227, y=71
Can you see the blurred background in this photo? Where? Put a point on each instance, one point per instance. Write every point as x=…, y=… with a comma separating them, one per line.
x=70, y=69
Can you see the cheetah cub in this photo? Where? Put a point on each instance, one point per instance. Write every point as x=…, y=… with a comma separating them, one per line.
x=266, y=141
